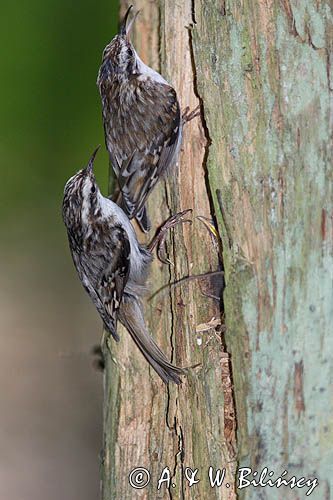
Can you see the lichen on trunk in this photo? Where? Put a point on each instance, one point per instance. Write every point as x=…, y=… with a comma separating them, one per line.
x=264, y=75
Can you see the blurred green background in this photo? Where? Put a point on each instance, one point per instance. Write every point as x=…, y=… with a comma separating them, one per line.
x=51, y=396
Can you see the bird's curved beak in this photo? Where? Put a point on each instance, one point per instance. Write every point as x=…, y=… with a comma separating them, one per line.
x=125, y=27
x=90, y=165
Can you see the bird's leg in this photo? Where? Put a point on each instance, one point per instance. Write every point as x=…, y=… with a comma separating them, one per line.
x=159, y=239
x=187, y=116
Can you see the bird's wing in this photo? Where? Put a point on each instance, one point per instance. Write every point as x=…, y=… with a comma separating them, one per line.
x=106, y=264
x=152, y=121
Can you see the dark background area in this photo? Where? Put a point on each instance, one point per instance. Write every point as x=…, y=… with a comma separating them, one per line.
x=51, y=396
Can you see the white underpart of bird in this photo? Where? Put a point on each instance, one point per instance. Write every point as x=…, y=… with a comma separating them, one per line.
x=111, y=209
x=147, y=72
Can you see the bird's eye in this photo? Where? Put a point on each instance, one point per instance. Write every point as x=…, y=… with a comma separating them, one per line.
x=93, y=188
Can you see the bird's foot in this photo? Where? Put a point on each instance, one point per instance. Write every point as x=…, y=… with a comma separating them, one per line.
x=159, y=239
x=188, y=115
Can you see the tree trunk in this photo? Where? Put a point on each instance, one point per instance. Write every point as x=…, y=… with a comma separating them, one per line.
x=257, y=162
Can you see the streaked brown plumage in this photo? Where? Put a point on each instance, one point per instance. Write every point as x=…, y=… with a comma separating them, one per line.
x=112, y=265
x=142, y=123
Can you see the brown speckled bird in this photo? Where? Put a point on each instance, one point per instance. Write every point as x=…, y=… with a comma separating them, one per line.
x=142, y=122
x=112, y=265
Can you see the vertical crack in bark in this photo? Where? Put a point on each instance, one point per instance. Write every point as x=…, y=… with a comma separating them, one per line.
x=193, y=11
x=227, y=384
x=230, y=417
x=180, y=453
x=176, y=429
x=168, y=202
x=173, y=428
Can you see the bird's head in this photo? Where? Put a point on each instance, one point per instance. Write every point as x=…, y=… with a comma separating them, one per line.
x=119, y=56
x=81, y=193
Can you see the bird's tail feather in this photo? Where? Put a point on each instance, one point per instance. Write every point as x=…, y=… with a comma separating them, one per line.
x=143, y=219
x=141, y=215
x=130, y=315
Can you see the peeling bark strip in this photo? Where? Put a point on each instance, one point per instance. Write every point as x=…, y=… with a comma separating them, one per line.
x=145, y=423
x=298, y=388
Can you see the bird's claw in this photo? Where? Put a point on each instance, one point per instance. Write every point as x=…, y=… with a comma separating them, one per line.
x=176, y=219
x=187, y=116
x=159, y=239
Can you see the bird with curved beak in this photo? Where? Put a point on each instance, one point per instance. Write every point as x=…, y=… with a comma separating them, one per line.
x=111, y=263
x=142, y=122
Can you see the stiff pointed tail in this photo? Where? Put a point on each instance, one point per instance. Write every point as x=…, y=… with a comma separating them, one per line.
x=130, y=315
x=131, y=192
x=143, y=219
x=141, y=215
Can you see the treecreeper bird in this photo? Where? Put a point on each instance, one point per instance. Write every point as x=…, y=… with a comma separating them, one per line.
x=142, y=122
x=112, y=265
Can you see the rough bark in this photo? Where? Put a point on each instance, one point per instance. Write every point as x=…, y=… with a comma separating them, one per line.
x=265, y=77
x=145, y=423
x=258, y=161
